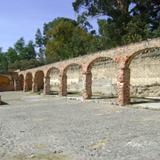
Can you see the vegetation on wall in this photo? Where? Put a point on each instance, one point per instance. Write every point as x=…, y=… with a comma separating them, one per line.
x=123, y=22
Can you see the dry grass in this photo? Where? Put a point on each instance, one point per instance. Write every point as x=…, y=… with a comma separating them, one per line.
x=50, y=156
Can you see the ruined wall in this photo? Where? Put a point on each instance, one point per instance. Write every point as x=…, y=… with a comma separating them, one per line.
x=103, y=78
x=6, y=82
x=145, y=76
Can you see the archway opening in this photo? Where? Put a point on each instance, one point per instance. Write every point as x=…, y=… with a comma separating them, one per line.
x=5, y=83
x=21, y=82
x=54, y=80
x=104, y=78
x=145, y=76
x=29, y=81
x=39, y=81
x=74, y=79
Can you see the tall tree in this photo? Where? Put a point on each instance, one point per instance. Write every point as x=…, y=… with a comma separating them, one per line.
x=126, y=20
x=11, y=55
x=25, y=52
x=3, y=62
x=64, y=38
x=40, y=44
x=19, y=47
x=29, y=50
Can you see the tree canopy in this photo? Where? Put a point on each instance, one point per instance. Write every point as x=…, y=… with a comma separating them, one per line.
x=64, y=38
x=126, y=20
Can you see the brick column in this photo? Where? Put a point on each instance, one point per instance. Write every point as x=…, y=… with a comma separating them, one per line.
x=87, y=84
x=16, y=84
x=123, y=85
x=25, y=88
x=46, y=89
x=34, y=86
x=63, y=85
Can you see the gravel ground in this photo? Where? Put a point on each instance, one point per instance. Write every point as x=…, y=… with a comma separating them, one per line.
x=52, y=128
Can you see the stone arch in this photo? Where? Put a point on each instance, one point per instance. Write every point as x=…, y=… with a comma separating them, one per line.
x=144, y=69
x=64, y=71
x=70, y=79
x=21, y=81
x=28, y=81
x=6, y=83
x=101, y=78
x=124, y=76
x=50, y=70
x=91, y=62
x=38, y=84
x=52, y=81
x=132, y=56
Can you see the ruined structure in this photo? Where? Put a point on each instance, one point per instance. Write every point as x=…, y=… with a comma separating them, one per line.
x=9, y=82
x=39, y=78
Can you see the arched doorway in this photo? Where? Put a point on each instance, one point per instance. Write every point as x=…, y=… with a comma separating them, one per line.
x=39, y=81
x=145, y=76
x=29, y=81
x=53, y=75
x=103, y=72
x=74, y=79
x=5, y=83
x=21, y=82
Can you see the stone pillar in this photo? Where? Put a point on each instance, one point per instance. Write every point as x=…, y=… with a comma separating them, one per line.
x=87, y=85
x=34, y=86
x=46, y=85
x=123, y=85
x=16, y=84
x=63, y=85
x=25, y=88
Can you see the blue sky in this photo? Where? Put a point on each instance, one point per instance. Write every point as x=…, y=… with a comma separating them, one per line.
x=21, y=18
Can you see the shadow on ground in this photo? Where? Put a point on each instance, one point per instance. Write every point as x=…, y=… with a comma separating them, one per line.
x=140, y=100
x=3, y=103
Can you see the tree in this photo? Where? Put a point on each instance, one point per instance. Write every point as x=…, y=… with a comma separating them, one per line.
x=64, y=38
x=40, y=44
x=11, y=55
x=3, y=62
x=29, y=50
x=84, y=23
x=25, y=52
x=126, y=20
x=25, y=64
x=22, y=55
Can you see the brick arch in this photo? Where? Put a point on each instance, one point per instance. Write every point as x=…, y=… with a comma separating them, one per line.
x=89, y=64
x=47, y=80
x=49, y=71
x=89, y=76
x=21, y=81
x=5, y=83
x=28, y=81
x=38, y=80
x=65, y=68
x=131, y=57
x=124, y=72
x=63, y=77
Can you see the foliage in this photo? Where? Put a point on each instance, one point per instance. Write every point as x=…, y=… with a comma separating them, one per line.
x=11, y=55
x=39, y=41
x=25, y=64
x=21, y=56
x=64, y=38
x=126, y=20
x=25, y=51
x=3, y=62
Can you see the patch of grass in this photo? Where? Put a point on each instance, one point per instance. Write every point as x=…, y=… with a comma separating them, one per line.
x=99, y=144
x=49, y=156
